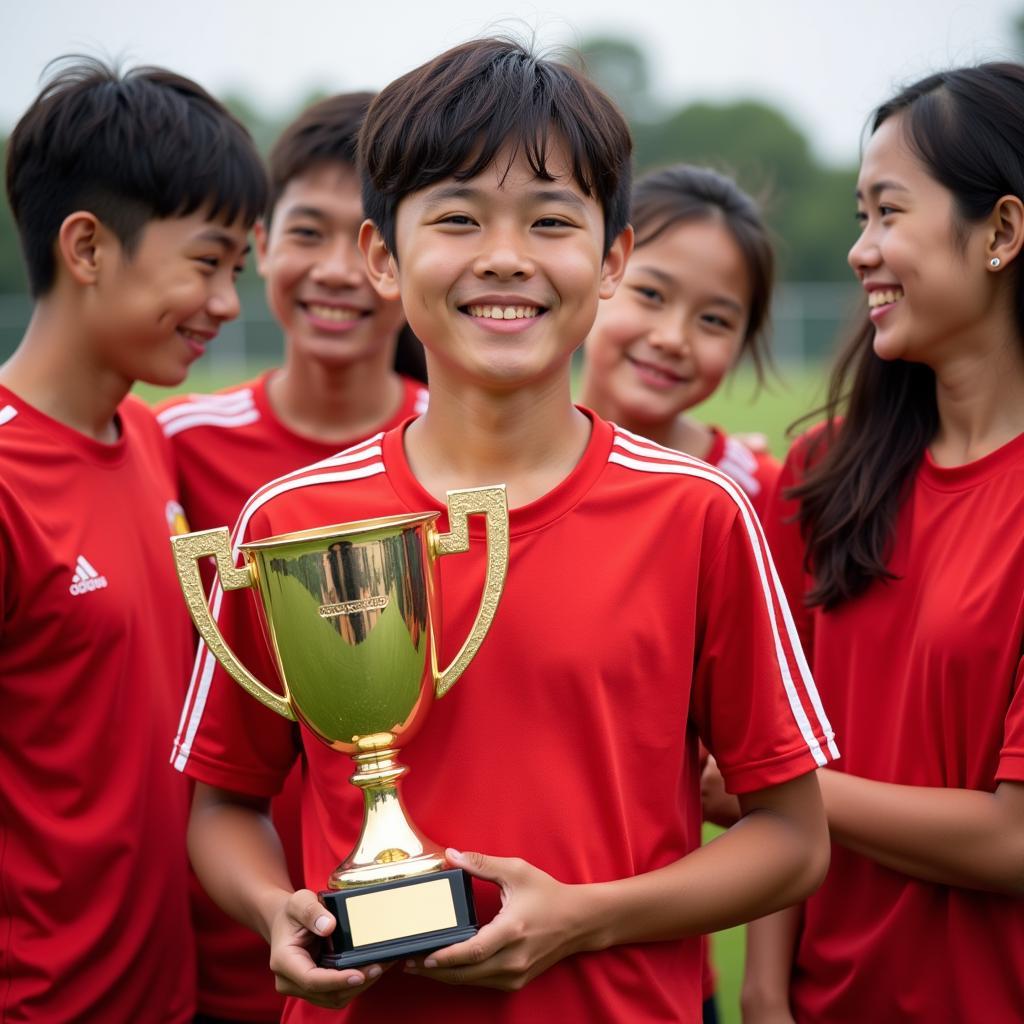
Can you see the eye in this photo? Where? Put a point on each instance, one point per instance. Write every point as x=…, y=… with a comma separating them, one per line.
x=714, y=320
x=457, y=220
x=887, y=211
x=209, y=262
x=552, y=222
x=304, y=233
x=861, y=217
x=648, y=293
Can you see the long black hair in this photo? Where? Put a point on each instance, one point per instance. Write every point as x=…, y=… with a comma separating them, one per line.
x=967, y=128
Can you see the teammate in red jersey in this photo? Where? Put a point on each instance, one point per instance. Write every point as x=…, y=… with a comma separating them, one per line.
x=496, y=186
x=132, y=195
x=336, y=387
x=909, y=511
x=694, y=299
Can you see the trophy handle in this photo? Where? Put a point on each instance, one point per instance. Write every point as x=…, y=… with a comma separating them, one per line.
x=492, y=503
x=188, y=549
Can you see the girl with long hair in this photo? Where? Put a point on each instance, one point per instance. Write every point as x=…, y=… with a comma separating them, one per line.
x=898, y=531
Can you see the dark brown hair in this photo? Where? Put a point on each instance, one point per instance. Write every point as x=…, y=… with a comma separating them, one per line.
x=452, y=116
x=967, y=128
x=129, y=148
x=326, y=132
x=682, y=193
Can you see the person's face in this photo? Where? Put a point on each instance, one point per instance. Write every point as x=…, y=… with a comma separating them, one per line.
x=668, y=336
x=316, y=280
x=158, y=307
x=926, y=286
x=500, y=275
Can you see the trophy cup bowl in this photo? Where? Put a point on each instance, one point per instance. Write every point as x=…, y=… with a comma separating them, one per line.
x=352, y=614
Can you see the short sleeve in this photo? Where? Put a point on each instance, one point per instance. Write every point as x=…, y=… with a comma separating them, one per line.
x=754, y=700
x=1011, y=756
x=228, y=738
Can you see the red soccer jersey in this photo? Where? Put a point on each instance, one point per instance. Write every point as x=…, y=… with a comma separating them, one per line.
x=924, y=680
x=572, y=739
x=226, y=445
x=755, y=472
x=94, y=913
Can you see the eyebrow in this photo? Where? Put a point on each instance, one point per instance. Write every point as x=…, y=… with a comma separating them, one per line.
x=224, y=240
x=305, y=211
x=881, y=186
x=669, y=281
x=446, y=193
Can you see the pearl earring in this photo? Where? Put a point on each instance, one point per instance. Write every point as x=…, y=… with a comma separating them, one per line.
x=995, y=263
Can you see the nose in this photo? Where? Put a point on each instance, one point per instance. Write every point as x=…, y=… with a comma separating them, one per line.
x=224, y=303
x=341, y=265
x=504, y=256
x=864, y=253
x=669, y=336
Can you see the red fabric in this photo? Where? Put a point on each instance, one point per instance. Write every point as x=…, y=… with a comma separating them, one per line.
x=94, y=922
x=572, y=739
x=225, y=446
x=755, y=472
x=924, y=681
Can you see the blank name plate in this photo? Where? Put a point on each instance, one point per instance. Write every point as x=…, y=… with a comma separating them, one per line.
x=399, y=919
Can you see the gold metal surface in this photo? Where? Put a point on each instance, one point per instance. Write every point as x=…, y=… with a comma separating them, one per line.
x=396, y=913
x=352, y=613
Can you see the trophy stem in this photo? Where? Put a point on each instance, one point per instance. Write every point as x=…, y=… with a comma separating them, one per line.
x=390, y=847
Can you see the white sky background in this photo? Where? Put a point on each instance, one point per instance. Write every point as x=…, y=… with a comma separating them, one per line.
x=825, y=62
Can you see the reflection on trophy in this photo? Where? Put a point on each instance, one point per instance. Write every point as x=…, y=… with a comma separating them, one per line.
x=353, y=614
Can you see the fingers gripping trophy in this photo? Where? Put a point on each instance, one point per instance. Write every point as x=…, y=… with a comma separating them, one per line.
x=353, y=615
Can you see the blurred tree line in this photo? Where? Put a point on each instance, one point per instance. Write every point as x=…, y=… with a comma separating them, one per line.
x=808, y=204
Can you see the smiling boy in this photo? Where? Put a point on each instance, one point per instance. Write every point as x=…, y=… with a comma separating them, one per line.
x=496, y=187
x=132, y=196
x=336, y=387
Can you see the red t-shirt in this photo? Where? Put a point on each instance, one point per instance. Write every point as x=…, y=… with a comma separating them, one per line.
x=924, y=680
x=226, y=445
x=572, y=738
x=94, y=916
x=755, y=472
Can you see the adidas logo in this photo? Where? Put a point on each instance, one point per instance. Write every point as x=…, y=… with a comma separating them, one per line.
x=86, y=578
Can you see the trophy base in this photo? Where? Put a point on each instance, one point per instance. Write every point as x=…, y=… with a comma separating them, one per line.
x=399, y=919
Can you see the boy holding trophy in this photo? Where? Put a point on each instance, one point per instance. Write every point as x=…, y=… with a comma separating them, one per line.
x=641, y=611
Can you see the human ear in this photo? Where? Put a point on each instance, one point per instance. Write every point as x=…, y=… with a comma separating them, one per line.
x=381, y=266
x=614, y=264
x=1006, y=232
x=80, y=244
x=260, y=235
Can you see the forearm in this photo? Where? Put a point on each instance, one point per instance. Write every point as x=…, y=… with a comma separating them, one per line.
x=774, y=856
x=771, y=942
x=958, y=837
x=238, y=857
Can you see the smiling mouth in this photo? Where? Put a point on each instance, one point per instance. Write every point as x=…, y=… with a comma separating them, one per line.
x=884, y=297
x=194, y=336
x=335, y=314
x=492, y=312
x=657, y=372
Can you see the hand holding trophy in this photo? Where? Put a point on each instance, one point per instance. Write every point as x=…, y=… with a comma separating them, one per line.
x=353, y=614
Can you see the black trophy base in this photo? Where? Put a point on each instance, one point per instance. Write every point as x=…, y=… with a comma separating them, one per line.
x=399, y=919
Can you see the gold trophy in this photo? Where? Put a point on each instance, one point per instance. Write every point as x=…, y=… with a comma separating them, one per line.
x=353, y=615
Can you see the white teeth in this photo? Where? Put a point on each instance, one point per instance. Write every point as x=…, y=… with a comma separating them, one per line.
x=338, y=314
x=504, y=312
x=883, y=297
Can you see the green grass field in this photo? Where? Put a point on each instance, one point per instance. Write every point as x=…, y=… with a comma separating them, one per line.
x=737, y=406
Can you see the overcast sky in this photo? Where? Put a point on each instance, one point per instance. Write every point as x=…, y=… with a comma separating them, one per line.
x=827, y=63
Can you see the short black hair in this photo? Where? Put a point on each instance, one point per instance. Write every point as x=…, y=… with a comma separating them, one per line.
x=128, y=147
x=326, y=132
x=450, y=117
